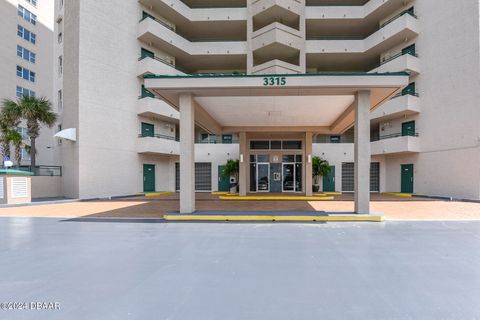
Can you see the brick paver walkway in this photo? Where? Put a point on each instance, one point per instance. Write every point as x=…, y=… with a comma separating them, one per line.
x=394, y=208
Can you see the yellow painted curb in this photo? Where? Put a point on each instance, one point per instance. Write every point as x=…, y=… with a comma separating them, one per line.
x=272, y=218
x=154, y=194
x=398, y=194
x=220, y=192
x=333, y=193
x=289, y=198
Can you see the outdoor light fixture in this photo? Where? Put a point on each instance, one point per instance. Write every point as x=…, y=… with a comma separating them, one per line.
x=309, y=158
x=241, y=158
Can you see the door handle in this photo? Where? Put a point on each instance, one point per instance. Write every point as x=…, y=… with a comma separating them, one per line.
x=411, y=179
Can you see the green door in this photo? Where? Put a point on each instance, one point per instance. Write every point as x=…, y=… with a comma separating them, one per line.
x=223, y=182
x=147, y=130
x=408, y=128
x=148, y=178
x=409, y=50
x=144, y=53
x=407, y=178
x=329, y=181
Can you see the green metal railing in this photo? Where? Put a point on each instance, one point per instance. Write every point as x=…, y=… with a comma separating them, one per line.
x=395, y=135
x=400, y=54
x=159, y=136
x=213, y=6
x=166, y=63
x=401, y=14
x=44, y=171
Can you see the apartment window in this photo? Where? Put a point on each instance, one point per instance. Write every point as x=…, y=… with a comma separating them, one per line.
x=23, y=132
x=59, y=129
x=25, y=54
x=60, y=65
x=61, y=4
x=32, y=2
x=27, y=15
x=60, y=100
x=24, y=92
x=25, y=74
x=60, y=37
x=26, y=34
x=25, y=154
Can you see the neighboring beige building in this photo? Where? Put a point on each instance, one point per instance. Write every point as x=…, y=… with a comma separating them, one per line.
x=272, y=83
x=26, y=62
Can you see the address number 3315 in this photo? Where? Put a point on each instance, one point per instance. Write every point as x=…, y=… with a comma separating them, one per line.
x=274, y=81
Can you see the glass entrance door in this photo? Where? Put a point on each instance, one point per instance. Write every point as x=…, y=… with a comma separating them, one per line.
x=263, y=177
x=288, y=174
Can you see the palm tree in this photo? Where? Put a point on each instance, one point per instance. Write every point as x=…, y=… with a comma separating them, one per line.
x=10, y=117
x=320, y=168
x=36, y=112
x=17, y=140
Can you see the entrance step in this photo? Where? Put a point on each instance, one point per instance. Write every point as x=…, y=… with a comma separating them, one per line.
x=276, y=197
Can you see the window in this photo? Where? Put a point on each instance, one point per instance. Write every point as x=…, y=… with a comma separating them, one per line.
x=26, y=34
x=25, y=74
x=60, y=66
x=32, y=2
x=60, y=100
x=260, y=145
x=61, y=4
x=291, y=145
x=25, y=154
x=23, y=132
x=24, y=92
x=25, y=54
x=60, y=37
x=27, y=15
x=335, y=139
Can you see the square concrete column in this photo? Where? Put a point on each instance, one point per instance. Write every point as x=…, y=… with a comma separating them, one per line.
x=187, y=153
x=244, y=160
x=362, y=152
x=308, y=164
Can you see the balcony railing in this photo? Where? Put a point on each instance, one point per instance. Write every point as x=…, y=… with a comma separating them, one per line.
x=394, y=135
x=213, y=6
x=217, y=141
x=401, y=14
x=400, y=54
x=165, y=62
x=159, y=136
x=44, y=171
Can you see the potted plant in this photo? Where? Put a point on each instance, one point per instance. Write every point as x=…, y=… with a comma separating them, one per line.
x=320, y=168
x=231, y=169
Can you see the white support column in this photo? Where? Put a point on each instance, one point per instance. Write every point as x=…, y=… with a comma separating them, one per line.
x=243, y=165
x=187, y=154
x=362, y=152
x=308, y=164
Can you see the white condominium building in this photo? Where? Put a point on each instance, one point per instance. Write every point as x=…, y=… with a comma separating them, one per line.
x=161, y=93
x=26, y=62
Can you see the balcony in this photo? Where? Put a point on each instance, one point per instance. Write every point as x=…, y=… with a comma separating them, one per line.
x=155, y=65
x=400, y=62
x=276, y=41
x=265, y=12
x=163, y=36
x=398, y=106
x=158, y=145
x=150, y=107
x=391, y=34
x=276, y=67
x=395, y=144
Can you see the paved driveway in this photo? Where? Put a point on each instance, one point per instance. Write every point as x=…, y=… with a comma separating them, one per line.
x=112, y=270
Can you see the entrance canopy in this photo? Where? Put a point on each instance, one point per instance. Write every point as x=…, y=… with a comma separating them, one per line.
x=318, y=103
